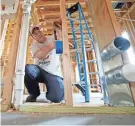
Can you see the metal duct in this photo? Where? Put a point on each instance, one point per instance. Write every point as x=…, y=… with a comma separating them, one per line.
x=116, y=47
x=121, y=74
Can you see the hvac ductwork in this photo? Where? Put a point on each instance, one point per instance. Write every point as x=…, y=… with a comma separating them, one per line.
x=121, y=74
x=116, y=47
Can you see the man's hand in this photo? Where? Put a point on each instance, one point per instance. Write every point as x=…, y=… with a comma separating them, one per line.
x=51, y=46
x=59, y=20
x=57, y=24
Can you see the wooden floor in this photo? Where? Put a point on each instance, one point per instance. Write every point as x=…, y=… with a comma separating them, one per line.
x=96, y=106
x=76, y=110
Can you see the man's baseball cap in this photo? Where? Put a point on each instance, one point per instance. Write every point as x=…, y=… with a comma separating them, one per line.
x=32, y=28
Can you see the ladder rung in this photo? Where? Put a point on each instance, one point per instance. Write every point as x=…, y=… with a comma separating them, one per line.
x=93, y=73
x=89, y=49
x=83, y=82
x=90, y=73
x=76, y=19
x=90, y=61
x=88, y=37
x=78, y=40
x=79, y=50
x=75, y=50
x=78, y=28
x=85, y=35
x=82, y=78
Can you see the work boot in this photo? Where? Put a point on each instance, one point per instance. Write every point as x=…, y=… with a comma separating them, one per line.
x=31, y=99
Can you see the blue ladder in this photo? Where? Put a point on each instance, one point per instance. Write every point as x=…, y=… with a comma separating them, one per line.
x=80, y=49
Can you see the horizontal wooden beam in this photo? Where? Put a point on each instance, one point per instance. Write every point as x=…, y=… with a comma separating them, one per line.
x=50, y=23
x=122, y=0
x=69, y=27
x=51, y=19
x=56, y=2
x=57, y=13
x=50, y=31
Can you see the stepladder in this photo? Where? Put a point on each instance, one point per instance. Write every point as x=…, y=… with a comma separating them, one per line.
x=82, y=45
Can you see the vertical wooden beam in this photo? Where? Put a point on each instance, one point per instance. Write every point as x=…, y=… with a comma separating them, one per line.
x=104, y=30
x=34, y=14
x=130, y=29
x=66, y=56
x=132, y=16
x=8, y=79
x=115, y=24
x=7, y=46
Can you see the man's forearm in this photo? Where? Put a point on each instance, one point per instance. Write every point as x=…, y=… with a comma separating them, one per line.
x=44, y=51
x=42, y=54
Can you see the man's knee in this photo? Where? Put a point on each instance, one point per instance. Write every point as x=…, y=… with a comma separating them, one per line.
x=55, y=97
x=31, y=71
x=27, y=68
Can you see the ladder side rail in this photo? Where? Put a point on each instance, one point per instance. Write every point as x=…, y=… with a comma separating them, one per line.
x=99, y=64
x=75, y=46
x=87, y=95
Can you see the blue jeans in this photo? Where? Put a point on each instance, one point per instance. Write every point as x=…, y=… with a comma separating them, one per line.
x=54, y=84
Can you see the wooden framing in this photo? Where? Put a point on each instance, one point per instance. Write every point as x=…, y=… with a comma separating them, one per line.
x=7, y=45
x=106, y=25
x=132, y=16
x=130, y=27
x=56, y=2
x=102, y=22
x=9, y=76
x=115, y=24
x=66, y=56
x=104, y=19
x=129, y=10
x=34, y=15
x=122, y=0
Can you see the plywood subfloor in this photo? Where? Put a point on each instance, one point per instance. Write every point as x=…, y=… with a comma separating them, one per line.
x=96, y=106
x=77, y=110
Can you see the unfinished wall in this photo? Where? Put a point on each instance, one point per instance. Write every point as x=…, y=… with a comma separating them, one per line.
x=105, y=28
x=132, y=15
x=129, y=26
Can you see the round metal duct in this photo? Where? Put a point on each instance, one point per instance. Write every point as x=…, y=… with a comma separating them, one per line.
x=121, y=74
x=116, y=47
